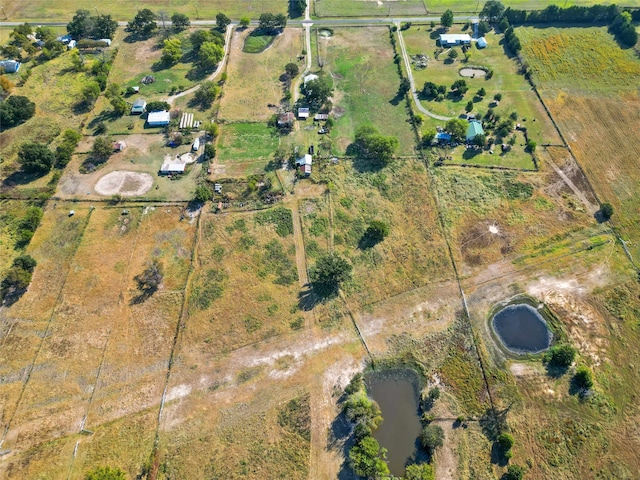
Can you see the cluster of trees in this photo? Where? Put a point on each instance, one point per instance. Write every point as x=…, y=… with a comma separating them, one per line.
x=18, y=277
x=180, y=22
x=84, y=25
x=208, y=48
x=272, y=24
x=328, y=273
x=27, y=225
x=370, y=145
x=35, y=158
x=318, y=91
x=624, y=30
x=21, y=41
x=206, y=95
x=63, y=152
x=143, y=25
x=15, y=110
x=366, y=457
x=512, y=41
x=297, y=8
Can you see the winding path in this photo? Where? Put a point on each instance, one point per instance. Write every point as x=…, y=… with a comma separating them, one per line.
x=227, y=46
x=412, y=82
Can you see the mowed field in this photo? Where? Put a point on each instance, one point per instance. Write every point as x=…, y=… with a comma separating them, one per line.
x=253, y=78
x=122, y=10
x=80, y=353
x=590, y=89
x=366, y=82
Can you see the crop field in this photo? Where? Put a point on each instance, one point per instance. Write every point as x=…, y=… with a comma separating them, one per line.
x=253, y=78
x=244, y=148
x=83, y=371
x=366, y=82
x=517, y=95
x=598, y=119
x=122, y=10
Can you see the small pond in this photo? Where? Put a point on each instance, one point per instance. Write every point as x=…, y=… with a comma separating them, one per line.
x=472, y=72
x=397, y=392
x=522, y=329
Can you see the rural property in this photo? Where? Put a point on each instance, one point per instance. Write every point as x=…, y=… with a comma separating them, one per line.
x=319, y=239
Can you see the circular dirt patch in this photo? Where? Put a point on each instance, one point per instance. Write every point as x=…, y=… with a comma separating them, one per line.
x=127, y=184
x=472, y=72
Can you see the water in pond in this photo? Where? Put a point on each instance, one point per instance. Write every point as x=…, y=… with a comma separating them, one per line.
x=397, y=395
x=522, y=329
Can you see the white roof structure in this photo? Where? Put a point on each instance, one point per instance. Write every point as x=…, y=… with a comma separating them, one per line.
x=482, y=42
x=303, y=112
x=173, y=167
x=306, y=160
x=454, y=38
x=159, y=118
x=310, y=77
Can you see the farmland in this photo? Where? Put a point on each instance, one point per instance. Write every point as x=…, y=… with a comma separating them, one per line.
x=207, y=324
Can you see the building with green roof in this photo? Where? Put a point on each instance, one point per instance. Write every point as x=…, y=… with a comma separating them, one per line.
x=475, y=128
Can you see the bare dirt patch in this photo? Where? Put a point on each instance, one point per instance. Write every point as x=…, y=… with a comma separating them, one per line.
x=127, y=184
x=472, y=72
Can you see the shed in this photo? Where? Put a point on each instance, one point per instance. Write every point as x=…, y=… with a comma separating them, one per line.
x=306, y=160
x=138, y=107
x=443, y=137
x=169, y=168
x=321, y=116
x=119, y=145
x=306, y=169
x=286, y=119
x=474, y=129
x=10, y=66
x=482, y=42
x=303, y=112
x=158, y=119
x=310, y=78
x=454, y=39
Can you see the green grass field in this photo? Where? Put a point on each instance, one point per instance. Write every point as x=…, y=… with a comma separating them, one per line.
x=257, y=43
x=122, y=10
x=366, y=82
x=245, y=148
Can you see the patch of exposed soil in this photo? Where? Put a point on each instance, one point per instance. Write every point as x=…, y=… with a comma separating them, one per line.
x=121, y=182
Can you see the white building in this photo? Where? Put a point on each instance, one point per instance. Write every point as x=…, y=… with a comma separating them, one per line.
x=454, y=39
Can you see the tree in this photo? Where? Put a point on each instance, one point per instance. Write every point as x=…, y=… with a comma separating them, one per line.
x=606, y=209
x=328, y=273
x=457, y=128
x=405, y=86
x=105, y=473
x=446, y=20
x=25, y=262
x=172, y=51
x=211, y=129
x=429, y=90
x=367, y=458
x=297, y=8
x=244, y=21
x=428, y=137
x=583, y=378
x=317, y=91
x=370, y=145
x=292, y=69
x=432, y=437
x=374, y=234
x=480, y=140
x=203, y=194
x=453, y=54
x=180, y=22
x=201, y=36
x=35, y=158
x=119, y=104
x=209, y=151
x=91, y=92
x=460, y=87
x=150, y=279
x=104, y=26
x=419, y=471
x=15, y=282
x=482, y=92
x=514, y=472
x=210, y=55
x=531, y=146
x=15, y=110
x=206, y=95
x=81, y=25
x=469, y=106
x=492, y=11
x=102, y=149
x=497, y=97
x=561, y=355
x=143, y=24
x=158, y=106
x=272, y=24
x=222, y=21
x=505, y=441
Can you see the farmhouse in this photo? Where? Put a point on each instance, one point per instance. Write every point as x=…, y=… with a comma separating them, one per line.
x=303, y=112
x=138, y=107
x=454, y=39
x=474, y=129
x=158, y=119
x=10, y=66
x=304, y=164
x=286, y=119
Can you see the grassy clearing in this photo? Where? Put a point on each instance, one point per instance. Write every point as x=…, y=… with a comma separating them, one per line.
x=366, y=82
x=517, y=95
x=253, y=78
x=596, y=118
x=357, y=8
x=520, y=207
x=125, y=11
x=255, y=43
x=244, y=148
x=414, y=252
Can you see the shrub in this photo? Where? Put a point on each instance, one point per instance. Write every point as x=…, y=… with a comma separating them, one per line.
x=606, y=210
x=15, y=110
x=560, y=355
x=329, y=272
x=583, y=378
x=36, y=158
x=514, y=472
x=432, y=437
x=505, y=441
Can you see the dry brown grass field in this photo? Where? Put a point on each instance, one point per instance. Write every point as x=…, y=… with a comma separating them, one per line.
x=253, y=78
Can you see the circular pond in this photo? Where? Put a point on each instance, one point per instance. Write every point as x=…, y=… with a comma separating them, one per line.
x=472, y=72
x=521, y=329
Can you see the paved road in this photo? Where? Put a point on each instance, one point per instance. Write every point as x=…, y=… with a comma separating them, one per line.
x=414, y=93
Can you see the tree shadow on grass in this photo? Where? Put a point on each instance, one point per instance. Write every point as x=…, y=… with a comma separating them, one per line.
x=340, y=439
x=395, y=101
x=313, y=294
x=556, y=371
x=362, y=163
x=21, y=178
